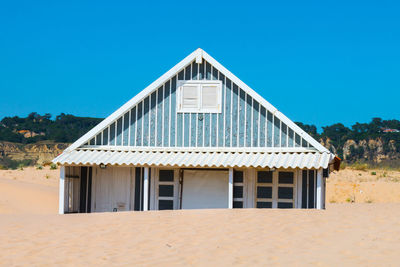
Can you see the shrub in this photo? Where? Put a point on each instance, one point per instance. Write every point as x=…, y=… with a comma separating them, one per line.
x=3, y=167
x=373, y=173
x=39, y=167
x=343, y=165
x=53, y=166
x=360, y=166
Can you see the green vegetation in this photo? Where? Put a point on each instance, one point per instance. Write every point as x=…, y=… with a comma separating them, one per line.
x=360, y=166
x=53, y=166
x=7, y=163
x=64, y=128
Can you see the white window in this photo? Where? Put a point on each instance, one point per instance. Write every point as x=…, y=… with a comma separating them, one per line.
x=199, y=96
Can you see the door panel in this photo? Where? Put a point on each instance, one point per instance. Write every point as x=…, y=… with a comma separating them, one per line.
x=113, y=189
x=205, y=189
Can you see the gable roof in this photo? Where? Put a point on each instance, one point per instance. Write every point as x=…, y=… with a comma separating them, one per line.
x=197, y=56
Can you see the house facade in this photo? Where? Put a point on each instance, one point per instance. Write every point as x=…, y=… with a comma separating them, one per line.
x=197, y=137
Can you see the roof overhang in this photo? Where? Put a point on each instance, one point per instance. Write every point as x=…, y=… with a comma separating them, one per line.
x=210, y=158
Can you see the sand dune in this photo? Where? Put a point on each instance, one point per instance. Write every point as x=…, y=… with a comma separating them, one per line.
x=31, y=233
x=18, y=197
x=369, y=186
x=358, y=234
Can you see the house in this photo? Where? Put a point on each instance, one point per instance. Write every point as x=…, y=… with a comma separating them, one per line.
x=197, y=137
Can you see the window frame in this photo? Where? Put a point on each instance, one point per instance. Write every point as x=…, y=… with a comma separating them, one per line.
x=242, y=184
x=175, y=183
x=199, y=84
x=275, y=187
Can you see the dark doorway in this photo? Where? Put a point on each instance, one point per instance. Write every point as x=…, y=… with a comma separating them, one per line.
x=86, y=190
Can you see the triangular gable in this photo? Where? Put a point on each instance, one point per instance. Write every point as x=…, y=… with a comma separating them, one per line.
x=268, y=126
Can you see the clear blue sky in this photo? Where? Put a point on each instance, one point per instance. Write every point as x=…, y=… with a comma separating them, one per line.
x=318, y=62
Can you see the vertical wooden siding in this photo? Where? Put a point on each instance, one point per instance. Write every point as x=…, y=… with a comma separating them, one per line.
x=243, y=122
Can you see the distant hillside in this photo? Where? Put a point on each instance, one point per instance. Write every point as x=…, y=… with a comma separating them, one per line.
x=63, y=129
x=377, y=142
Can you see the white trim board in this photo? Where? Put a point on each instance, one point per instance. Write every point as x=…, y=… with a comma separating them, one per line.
x=194, y=56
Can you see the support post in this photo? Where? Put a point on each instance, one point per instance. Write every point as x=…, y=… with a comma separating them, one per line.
x=319, y=189
x=146, y=189
x=61, y=193
x=230, y=191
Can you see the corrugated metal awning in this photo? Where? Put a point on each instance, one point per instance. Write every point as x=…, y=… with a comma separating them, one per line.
x=187, y=158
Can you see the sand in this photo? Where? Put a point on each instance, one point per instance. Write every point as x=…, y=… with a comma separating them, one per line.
x=369, y=186
x=342, y=235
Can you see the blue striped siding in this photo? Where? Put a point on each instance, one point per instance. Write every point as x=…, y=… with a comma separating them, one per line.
x=105, y=137
x=234, y=129
x=179, y=141
x=153, y=115
x=277, y=123
x=119, y=132
x=220, y=133
x=269, y=129
x=227, y=133
x=249, y=101
x=193, y=126
x=200, y=127
x=242, y=118
x=160, y=121
x=133, y=127
x=195, y=74
x=186, y=122
x=139, y=124
x=262, y=126
x=166, y=113
x=146, y=132
x=112, y=134
x=291, y=140
x=126, y=130
x=243, y=121
x=98, y=139
x=207, y=128
x=284, y=135
x=173, y=112
x=256, y=112
x=214, y=124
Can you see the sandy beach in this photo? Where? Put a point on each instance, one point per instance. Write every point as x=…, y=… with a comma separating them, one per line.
x=31, y=232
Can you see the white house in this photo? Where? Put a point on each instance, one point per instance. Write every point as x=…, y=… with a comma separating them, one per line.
x=197, y=137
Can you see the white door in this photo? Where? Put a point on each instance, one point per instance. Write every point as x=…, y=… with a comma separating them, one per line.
x=103, y=187
x=205, y=189
x=121, y=189
x=112, y=189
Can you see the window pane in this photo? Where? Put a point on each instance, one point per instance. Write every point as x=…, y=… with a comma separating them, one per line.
x=237, y=204
x=209, y=96
x=285, y=192
x=282, y=205
x=264, y=192
x=264, y=204
x=238, y=191
x=166, y=190
x=189, y=97
x=166, y=176
x=264, y=177
x=238, y=177
x=286, y=177
x=165, y=204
